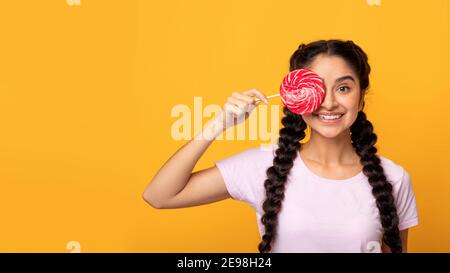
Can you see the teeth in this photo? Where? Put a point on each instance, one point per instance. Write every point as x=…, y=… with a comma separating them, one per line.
x=330, y=116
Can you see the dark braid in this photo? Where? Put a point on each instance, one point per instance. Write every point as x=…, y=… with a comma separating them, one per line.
x=288, y=145
x=363, y=140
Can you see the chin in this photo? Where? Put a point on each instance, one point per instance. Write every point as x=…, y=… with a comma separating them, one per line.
x=330, y=132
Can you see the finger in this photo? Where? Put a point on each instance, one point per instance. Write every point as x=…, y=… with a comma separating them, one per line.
x=241, y=96
x=233, y=109
x=257, y=93
x=251, y=107
x=241, y=104
x=246, y=106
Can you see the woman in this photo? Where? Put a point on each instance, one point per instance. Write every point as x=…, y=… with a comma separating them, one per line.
x=331, y=194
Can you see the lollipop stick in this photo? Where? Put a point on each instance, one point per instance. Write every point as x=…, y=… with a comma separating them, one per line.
x=271, y=96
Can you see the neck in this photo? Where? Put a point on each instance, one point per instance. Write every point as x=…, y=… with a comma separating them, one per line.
x=330, y=151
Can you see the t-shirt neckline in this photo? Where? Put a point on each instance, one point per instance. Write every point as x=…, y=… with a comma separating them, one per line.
x=353, y=179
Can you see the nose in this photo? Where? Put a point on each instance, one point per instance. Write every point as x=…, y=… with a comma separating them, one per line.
x=329, y=101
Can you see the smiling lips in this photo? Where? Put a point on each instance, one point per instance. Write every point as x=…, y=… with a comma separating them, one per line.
x=329, y=118
x=329, y=113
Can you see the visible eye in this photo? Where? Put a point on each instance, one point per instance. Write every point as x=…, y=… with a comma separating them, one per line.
x=344, y=88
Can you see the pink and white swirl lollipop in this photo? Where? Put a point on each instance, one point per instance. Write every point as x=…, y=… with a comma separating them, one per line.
x=302, y=91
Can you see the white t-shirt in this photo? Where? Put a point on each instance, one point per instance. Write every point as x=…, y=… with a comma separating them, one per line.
x=319, y=214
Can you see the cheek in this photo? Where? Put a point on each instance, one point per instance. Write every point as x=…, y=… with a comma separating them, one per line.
x=308, y=119
x=350, y=102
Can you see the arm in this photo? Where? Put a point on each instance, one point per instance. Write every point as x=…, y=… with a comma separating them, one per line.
x=174, y=185
x=403, y=237
x=175, y=175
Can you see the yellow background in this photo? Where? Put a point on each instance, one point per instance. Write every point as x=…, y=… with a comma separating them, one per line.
x=86, y=93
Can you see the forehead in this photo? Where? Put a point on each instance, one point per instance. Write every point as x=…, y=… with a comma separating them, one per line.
x=331, y=67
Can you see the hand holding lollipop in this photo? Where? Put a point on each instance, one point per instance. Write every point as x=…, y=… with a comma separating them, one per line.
x=235, y=111
x=302, y=92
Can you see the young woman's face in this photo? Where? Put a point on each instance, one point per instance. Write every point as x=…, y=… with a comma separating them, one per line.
x=342, y=97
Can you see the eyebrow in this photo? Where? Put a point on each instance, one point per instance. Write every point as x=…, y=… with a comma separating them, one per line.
x=343, y=78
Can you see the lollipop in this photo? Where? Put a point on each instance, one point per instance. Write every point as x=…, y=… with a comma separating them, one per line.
x=301, y=91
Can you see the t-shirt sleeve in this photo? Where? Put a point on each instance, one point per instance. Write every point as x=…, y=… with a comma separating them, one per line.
x=405, y=202
x=242, y=174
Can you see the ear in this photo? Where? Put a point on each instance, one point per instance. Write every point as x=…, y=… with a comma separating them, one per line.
x=361, y=105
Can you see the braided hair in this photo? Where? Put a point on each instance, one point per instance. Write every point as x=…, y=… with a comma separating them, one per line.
x=363, y=140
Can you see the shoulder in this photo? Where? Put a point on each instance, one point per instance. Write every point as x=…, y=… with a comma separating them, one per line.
x=244, y=173
x=251, y=162
x=403, y=192
x=395, y=173
x=259, y=154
